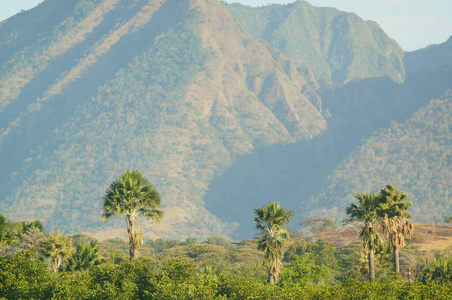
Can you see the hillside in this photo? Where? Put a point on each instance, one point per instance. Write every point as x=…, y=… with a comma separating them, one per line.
x=426, y=237
x=414, y=155
x=337, y=46
x=115, y=86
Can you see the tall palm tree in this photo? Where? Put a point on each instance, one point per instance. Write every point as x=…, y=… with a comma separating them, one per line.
x=270, y=220
x=131, y=196
x=366, y=212
x=396, y=226
x=57, y=246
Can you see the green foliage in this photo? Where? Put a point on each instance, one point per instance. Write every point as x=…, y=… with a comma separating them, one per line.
x=190, y=241
x=21, y=275
x=179, y=270
x=132, y=195
x=25, y=276
x=304, y=271
x=8, y=236
x=114, y=250
x=348, y=259
x=366, y=212
x=32, y=239
x=57, y=246
x=85, y=257
x=321, y=252
x=439, y=270
x=395, y=224
x=22, y=227
x=161, y=244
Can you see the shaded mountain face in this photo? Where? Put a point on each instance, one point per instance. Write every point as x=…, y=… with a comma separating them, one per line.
x=414, y=155
x=430, y=59
x=176, y=89
x=337, y=46
x=379, y=132
x=412, y=150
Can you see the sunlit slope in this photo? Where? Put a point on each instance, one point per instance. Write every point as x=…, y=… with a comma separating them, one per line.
x=337, y=46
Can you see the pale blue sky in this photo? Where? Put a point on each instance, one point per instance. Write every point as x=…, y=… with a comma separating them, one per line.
x=413, y=24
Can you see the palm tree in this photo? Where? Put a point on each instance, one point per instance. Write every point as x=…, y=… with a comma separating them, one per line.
x=270, y=220
x=366, y=212
x=57, y=246
x=85, y=257
x=395, y=223
x=130, y=196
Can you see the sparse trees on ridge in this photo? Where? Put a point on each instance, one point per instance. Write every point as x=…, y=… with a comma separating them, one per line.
x=131, y=196
x=270, y=220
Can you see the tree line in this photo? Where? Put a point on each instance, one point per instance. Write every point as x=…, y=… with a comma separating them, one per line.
x=218, y=268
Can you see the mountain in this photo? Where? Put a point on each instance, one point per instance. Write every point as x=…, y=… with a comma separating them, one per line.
x=413, y=151
x=337, y=46
x=430, y=59
x=223, y=107
x=176, y=89
x=414, y=155
x=319, y=177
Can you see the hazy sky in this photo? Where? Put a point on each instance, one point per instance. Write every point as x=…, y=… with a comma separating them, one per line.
x=413, y=24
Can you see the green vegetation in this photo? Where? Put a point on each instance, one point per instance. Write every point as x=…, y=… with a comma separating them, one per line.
x=57, y=246
x=215, y=269
x=85, y=257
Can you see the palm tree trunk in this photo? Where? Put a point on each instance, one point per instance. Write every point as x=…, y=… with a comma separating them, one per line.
x=132, y=236
x=396, y=259
x=271, y=278
x=56, y=263
x=371, y=265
